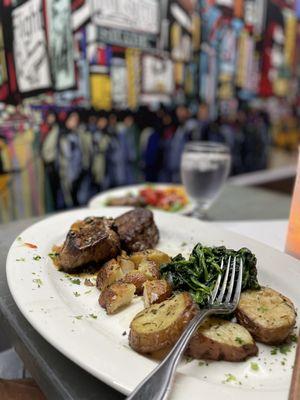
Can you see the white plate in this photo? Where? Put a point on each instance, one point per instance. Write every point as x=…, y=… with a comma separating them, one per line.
x=47, y=299
x=100, y=199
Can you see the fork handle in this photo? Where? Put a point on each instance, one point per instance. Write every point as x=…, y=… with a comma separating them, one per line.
x=156, y=386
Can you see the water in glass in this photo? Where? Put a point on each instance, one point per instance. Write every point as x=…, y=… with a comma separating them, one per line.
x=204, y=169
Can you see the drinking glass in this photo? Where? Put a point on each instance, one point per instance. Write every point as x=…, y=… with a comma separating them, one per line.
x=204, y=169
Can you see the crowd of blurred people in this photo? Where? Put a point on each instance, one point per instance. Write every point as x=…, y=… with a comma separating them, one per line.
x=85, y=152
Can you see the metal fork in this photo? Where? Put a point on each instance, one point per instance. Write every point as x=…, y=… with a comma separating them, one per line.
x=223, y=300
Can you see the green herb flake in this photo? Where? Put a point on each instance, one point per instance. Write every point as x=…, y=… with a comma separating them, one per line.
x=285, y=348
x=38, y=282
x=93, y=316
x=230, y=378
x=273, y=351
x=254, y=366
x=36, y=258
x=239, y=340
x=76, y=294
x=183, y=244
x=262, y=309
x=188, y=359
x=87, y=292
x=20, y=259
x=294, y=338
x=79, y=317
x=75, y=281
x=201, y=363
x=19, y=239
x=53, y=255
x=282, y=362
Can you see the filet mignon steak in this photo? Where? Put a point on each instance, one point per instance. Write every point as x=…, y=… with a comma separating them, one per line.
x=92, y=240
x=137, y=230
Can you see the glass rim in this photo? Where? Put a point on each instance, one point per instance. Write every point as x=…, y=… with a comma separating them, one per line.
x=206, y=146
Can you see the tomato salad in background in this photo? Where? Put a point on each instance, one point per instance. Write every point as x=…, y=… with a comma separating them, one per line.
x=171, y=198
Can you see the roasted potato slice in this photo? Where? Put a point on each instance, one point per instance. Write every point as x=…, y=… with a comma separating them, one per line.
x=109, y=274
x=116, y=296
x=125, y=263
x=218, y=339
x=150, y=269
x=160, y=325
x=156, y=291
x=151, y=254
x=266, y=314
x=137, y=278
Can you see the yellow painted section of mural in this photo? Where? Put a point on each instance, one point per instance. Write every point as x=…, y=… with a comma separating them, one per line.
x=101, y=97
x=290, y=38
x=242, y=59
x=132, y=57
x=22, y=179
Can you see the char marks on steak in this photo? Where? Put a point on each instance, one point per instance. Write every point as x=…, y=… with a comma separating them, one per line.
x=90, y=241
x=137, y=230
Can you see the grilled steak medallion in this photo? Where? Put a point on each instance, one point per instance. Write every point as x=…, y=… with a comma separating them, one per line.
x=137, y=230
x=92, y=240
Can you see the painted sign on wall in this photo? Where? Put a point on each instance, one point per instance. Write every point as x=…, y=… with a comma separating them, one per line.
x=130, y=15
x=30, y=48
x=60, y=42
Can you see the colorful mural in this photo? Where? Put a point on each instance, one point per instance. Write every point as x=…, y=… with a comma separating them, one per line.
x=120, y=55
x=214, y=51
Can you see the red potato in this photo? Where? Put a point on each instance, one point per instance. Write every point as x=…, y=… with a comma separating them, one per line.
x=116, y=296
x=156, y=291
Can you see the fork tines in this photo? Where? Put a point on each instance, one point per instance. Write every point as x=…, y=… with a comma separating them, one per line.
x=227, y=289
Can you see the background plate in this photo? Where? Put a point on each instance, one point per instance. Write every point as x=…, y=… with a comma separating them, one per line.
x=66, y=312
x=100, y=199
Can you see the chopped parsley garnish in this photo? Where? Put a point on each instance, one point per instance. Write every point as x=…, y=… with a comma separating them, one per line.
x=52, y=255
x=76, y=294
x=188, y=359
x=285, y=348
x=273, y=351
x=93, y=316
x=294, y=338
x=239, y=340
x=20, y=259
x=201, y=363
x=36, y=258
x=262, y=309
x=230, y=378
x=79, y=317
x=254, y=366
x=75, y=281
x=87, y=292
x=38, y=281
x=124, y=333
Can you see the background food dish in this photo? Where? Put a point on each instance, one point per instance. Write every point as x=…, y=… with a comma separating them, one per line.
x=101, y=199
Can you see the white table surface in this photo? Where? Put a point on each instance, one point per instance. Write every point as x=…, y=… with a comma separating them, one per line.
x=272, y=233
